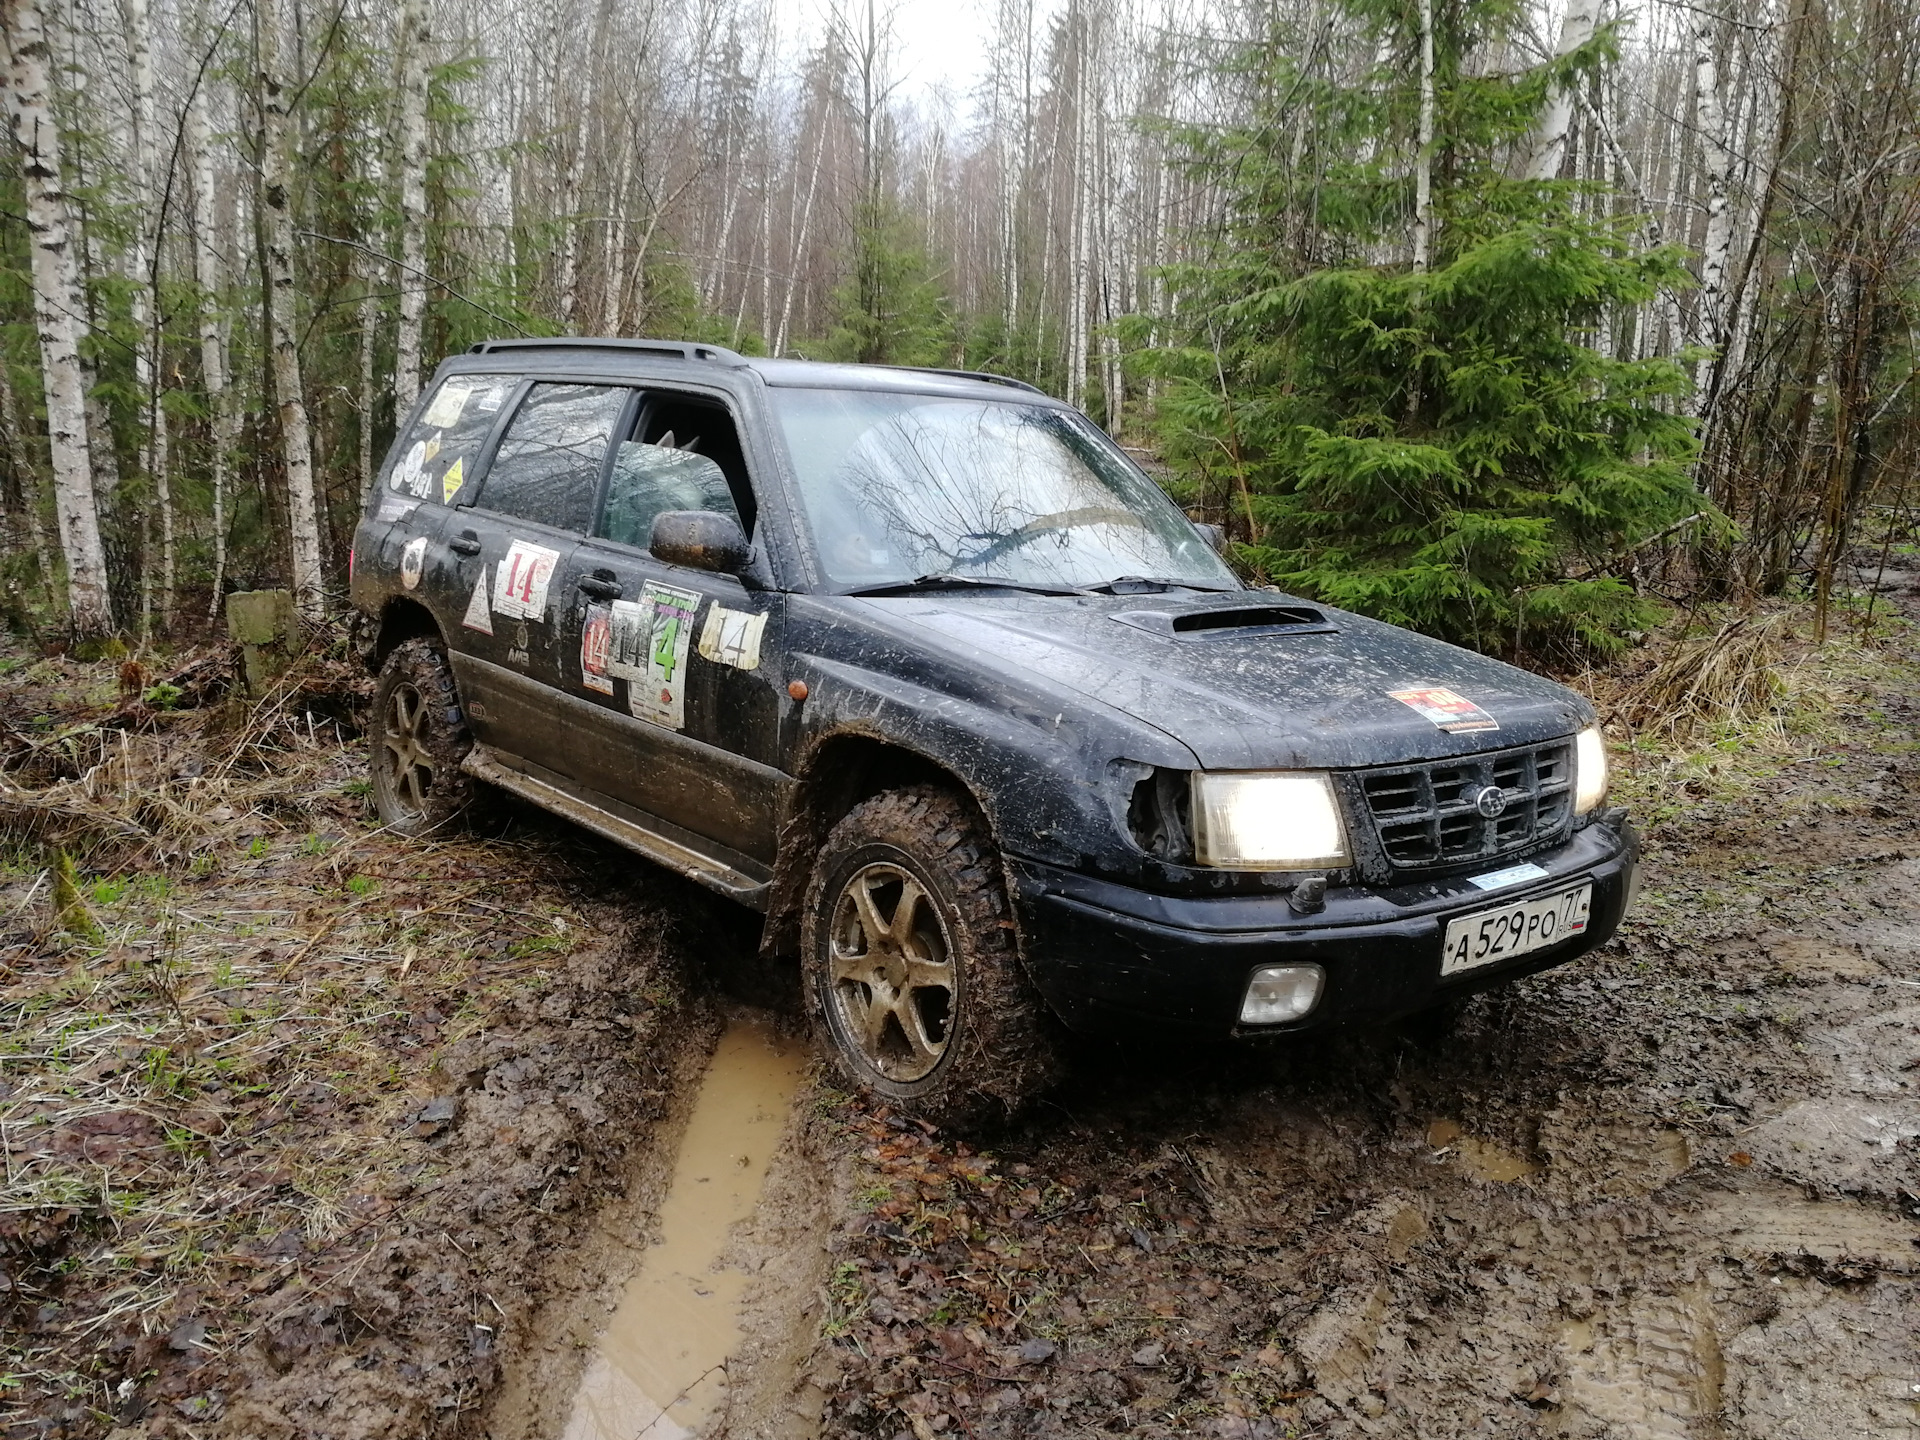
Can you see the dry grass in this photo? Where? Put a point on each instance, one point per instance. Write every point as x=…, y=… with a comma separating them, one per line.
x=225, y=1049
x=1732, y=675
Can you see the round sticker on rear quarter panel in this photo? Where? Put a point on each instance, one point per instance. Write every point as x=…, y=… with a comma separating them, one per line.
x=413, y=562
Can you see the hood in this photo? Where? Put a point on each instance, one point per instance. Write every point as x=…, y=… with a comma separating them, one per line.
x=1254, y=680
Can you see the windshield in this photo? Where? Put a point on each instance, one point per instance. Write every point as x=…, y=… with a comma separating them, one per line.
x=901, y=486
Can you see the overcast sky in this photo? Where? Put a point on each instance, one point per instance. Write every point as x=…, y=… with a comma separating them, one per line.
x=938, y=42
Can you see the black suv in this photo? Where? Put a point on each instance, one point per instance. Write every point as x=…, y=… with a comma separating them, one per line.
x=919, y=665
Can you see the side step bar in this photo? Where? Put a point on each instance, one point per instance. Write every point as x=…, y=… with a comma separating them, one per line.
x=715, y=874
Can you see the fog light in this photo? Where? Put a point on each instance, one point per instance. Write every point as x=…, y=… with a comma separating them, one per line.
x=1279, y=993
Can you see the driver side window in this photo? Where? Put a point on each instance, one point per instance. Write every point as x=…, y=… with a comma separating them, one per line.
x=684, y=454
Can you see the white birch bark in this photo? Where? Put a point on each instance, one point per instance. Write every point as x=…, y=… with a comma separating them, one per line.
x=1716, y=164
x=280, y=299
x=138, y=15
x=414, y=37
x=57, y=306
x=209, y=276
x=1423, y=162
x=1556, y=120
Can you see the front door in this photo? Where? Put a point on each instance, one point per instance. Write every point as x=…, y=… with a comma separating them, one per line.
x=680, y=666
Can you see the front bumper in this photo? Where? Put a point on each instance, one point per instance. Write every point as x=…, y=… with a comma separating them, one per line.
x=1112, y=959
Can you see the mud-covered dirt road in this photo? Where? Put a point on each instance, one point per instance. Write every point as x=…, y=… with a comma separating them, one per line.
x=321, y=1133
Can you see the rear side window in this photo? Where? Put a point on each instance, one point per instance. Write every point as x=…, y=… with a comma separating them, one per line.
x=437, y=459
x=547, y=468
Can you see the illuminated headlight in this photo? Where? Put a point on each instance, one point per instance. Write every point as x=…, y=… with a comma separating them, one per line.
x=1273, y=820
x=1589, y=770
x=1279, y=993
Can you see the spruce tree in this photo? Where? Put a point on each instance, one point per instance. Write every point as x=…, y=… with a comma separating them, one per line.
x=1455, y=448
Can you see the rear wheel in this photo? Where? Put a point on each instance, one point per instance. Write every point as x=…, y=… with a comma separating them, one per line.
x=418, y=739
x=912, y=962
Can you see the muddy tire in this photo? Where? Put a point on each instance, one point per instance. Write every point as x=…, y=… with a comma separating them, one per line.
x=416, y=742
x=911, y=963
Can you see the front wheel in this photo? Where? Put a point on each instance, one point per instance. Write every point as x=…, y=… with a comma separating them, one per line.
x=419, y=737
x=911, y=962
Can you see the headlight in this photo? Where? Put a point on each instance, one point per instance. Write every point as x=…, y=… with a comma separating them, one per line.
x=1266, y=821
x=1589, y=770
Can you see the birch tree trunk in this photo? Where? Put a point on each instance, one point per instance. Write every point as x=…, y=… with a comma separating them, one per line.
x=56, y=306
x=208, y=275
x=1423, y=162
x=414, y=36
x=279, y=299
x=1550, y=140
x=1716, y=164
x=156, y=591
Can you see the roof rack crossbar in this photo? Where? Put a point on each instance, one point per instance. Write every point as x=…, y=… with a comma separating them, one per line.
x=685, y=350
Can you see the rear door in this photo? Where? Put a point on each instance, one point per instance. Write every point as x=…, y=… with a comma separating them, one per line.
x=428, y=469
x=510, y=546
x=681, y=667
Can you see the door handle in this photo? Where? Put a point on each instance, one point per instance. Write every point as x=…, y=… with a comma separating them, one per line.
x=465, y=543
x=601, y=587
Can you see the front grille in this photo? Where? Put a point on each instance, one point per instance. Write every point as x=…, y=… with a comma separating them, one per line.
x=1428, y=815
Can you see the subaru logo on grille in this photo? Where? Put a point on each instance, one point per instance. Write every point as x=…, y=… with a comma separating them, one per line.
x=1491, y=801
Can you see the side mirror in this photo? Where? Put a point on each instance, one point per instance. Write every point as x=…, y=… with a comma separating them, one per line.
x=700, y=540
x=1214, y=536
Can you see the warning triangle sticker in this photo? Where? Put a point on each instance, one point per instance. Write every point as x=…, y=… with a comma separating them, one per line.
x=479, y=614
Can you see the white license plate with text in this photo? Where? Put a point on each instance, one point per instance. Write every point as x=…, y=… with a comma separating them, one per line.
x=1489, y=936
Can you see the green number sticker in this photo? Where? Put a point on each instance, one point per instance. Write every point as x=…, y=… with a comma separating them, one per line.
x=664, y=655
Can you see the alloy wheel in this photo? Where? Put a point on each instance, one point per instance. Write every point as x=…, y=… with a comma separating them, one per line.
x=404, y=732
x=892, y=972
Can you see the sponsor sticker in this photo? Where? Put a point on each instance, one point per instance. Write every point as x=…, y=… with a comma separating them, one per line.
x=392, y=507
x=413, y=562
x=410, y=474
x=520, y=583
x=451, y=482
x=1512, y=875
x=732, y=637
x=448, y=404
x=1453, y=713
x=479, y=614
x=648, y=647
x=491, y=399
x=433, y=446
x=596, y=640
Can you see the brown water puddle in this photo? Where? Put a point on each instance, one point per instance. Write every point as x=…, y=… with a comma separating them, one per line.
x=660, y=1368
x=1481, y=1159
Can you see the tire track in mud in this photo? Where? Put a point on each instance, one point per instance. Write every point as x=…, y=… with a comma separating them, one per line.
x=703, y=1310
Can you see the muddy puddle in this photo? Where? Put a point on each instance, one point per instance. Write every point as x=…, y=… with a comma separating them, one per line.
x=660, y=1367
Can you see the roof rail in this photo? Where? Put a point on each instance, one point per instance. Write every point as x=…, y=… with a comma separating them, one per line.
x=680, y=349
x=985, y=375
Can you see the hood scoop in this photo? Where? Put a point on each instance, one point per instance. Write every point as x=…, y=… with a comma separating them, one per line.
x=1225, y=622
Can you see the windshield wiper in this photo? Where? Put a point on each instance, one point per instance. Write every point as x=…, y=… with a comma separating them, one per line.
x=947, y=580
x=1148, y=585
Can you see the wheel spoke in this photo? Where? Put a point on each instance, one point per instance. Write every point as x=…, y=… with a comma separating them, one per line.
x=877, y=930
x=900, y=932
x=929, y=975
x=873, y=1024
x=851, y=965
x=925, y=1049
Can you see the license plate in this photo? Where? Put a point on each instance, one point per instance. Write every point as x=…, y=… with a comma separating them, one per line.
x=1489, y=936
